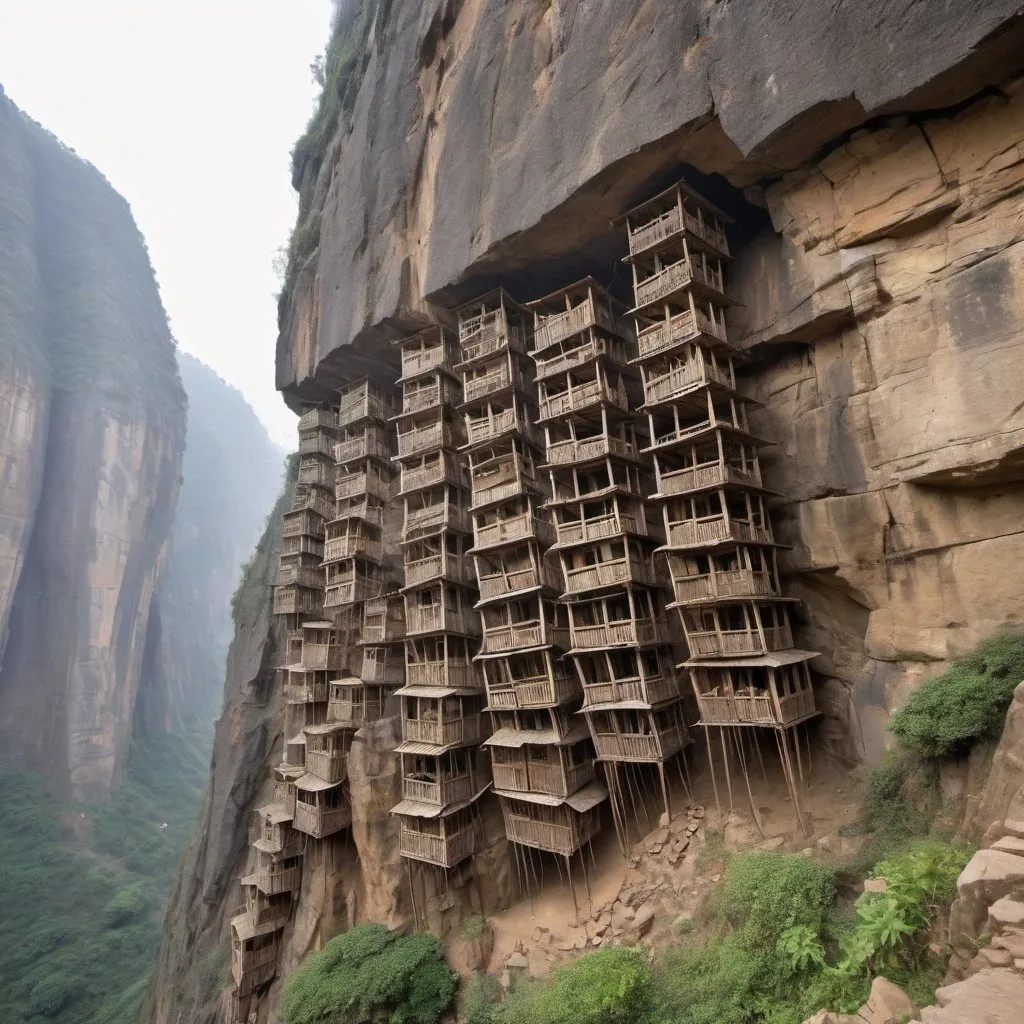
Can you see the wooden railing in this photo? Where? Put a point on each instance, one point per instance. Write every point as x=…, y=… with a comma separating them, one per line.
x=707, y=475
x=271, y=880
x=555, y=837
x=512, y=581
x=713, y=530
x=580, y=397
x=362, y=406
x=444, y=851
x=443, y=471
x=523, y=634
x=362, y=447
x=628, y=747
x=321, y=473
x=350, y=713
x=319, y=822
x=640, y=631
x=314, y=418
x=457, y=730
x=420, y=360
x=680, y=379
x=252, y=968
x=611, y=525
x=293, y=600
x=656, y=230
x=522, y=527
x=308, y=524
x=565, y=361
x=439, y=617
x=543, y=690
x=390, y=672
x=726, y=583
x=677, y=330
x=314, y=501
x=433, y=518
x=649, y=691
x=422, y=439
x=331, y=767
x=755, y=709
x=354, y=484
x=338, y=548
x=322, y=657
x=317, y=443
x=300, y=576
x=306, y=692
x=446, y=790
x=722, y=643
x=608, y=574
x=351, y=590
x=566, y=453
x=562, y=325
x=488, y=333
x=457, y=568
x=672, y=278
x=441, y=673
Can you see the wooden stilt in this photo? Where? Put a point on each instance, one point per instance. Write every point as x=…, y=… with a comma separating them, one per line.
x=725, y=757
x=755, y=740
x=738, y=743
x=586, y=876
x=611, y=779
x=412, y=894
x=572, y=890
x=711, y=766
x=799, y=756
x=664, y=791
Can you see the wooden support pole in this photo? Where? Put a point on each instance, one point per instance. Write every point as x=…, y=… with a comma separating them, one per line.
x=711, y=766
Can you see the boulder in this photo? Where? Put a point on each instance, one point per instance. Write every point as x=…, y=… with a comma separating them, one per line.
x=986, y=997
x=1010, y=844
x=1005, y=913
x=989, y=876
x=643, y=920
x=887, y=1004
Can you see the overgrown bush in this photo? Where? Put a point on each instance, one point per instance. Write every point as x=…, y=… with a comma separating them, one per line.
x=481, y=999
x=609, y=986
x=966, y=703
x=370, y=974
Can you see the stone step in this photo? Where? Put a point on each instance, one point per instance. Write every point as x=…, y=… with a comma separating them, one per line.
x=1005, y=913
x=994, y=995
x=1010, y=844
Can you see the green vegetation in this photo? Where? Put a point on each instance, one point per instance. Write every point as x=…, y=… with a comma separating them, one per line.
x=474, y=927
x=481, y=999
x=82, y=913
x=967, y=703
x=339, y=72
x=371, y=974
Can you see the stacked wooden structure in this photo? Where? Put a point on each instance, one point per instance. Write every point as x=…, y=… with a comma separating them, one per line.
x=442, y=699
x=718, y=537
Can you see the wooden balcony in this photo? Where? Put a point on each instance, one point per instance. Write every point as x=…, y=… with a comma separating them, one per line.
x=431, y=393
x=352, y=485
x=293, y=600
x=306, y=689
x=568, y=453
x=631, y=632
x=540, y=777
x=562, y=830
x=707, y=476
x=444, y=565
x=374, y=442
x=613, y=573
x=302, y=545
x=587, y=313
x=447, y=789
x=456, y=675
x=713, y=530
x=445, y=851
x=514, y=581
x=613, y=524
x=678, y=330
x=253, y=955
x=313, y=500
x=383, y=620
x=488, y=333
x=670, y=223
x=440, y=618
x=324, y=657
x=490, y=426
x=318, y=443
x=558, y=363
x=319, y=822
x=261, y=909
x=316, y=419
x=304, y=523
x=582, y=397
x=723, y=583
x=420, y=440
x=274, y=876
x=655, y=746
x=351, y=589
x=525, y=526
x=364, y=402
x=444, y=470
x=644, y=690
x=353, y=546
x=437, y=357
x=520, y=635
x=738, y=642
x=542, y=691
x=454, y=732
x=300, y=576
x=386, y=671
x=681, y=380
x=475, y=389
x=756, y=709
x=433, y=519
x=673, y=278
x=352, y=706
x=317, y=472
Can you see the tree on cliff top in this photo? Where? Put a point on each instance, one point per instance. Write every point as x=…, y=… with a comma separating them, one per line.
x=371, y=974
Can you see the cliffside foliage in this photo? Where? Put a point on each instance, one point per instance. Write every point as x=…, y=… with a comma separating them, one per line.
x=83, y=887
x=339, y=72
x=371, y=974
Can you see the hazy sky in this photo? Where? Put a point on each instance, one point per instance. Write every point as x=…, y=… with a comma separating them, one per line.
x=190, y=109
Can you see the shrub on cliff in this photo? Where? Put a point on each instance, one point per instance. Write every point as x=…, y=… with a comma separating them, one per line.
x=966, y=703
x=370, y=974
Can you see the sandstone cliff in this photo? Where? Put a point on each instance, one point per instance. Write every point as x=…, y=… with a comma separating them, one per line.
x=871, y=158
x=93, y=426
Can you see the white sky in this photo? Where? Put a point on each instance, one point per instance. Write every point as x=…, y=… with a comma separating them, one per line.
x=190, y=109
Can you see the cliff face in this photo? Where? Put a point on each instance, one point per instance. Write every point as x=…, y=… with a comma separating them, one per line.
x=231, y=475
x=871, y=157
x=92, y=433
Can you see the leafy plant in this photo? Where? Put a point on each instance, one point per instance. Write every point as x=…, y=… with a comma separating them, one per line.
x=474, y=927
x=369, y=974
x=483, y=994
x=966, y=703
